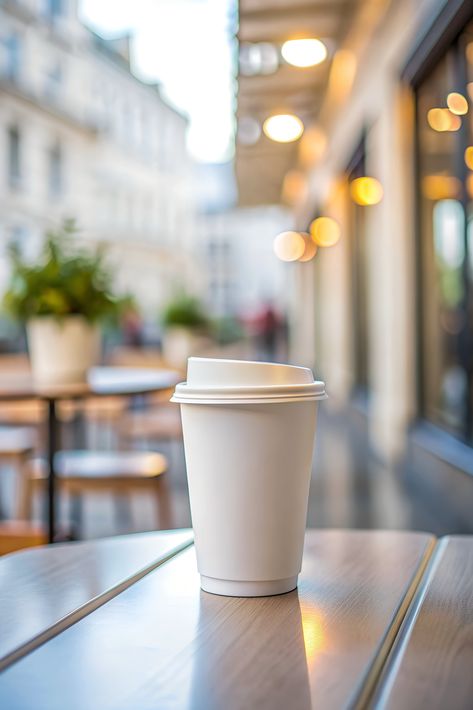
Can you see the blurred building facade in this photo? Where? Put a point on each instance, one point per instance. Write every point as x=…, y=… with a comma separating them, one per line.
x=240, y=274
x=82, y=137
x=386, y=315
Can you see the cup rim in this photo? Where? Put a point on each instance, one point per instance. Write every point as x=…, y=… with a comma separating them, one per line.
x=249, y=394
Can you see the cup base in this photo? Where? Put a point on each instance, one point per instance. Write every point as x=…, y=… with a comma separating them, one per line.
x=232, y=588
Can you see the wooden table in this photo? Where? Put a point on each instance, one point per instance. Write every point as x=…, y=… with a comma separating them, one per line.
x=102, y=382
x=123, y=624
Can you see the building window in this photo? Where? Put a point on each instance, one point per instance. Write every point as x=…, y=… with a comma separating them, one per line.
x=55, y=171
x=11, y=57
x=53, y=82
x=445, y=189
x=359, y=269
x=52, y=9
x=19, y=237
x=14, y=156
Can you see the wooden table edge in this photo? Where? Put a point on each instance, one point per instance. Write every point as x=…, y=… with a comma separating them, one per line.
x=388, y=674
x=372, y=681
x=88, y=607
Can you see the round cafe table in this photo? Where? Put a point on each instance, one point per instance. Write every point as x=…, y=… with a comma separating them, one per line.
x=101, y=382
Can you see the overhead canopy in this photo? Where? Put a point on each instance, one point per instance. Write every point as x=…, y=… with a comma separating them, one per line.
x=268, y=85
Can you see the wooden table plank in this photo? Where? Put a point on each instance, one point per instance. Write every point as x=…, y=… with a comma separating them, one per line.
x=43, y=590
x=162, y=643
x=431, y=665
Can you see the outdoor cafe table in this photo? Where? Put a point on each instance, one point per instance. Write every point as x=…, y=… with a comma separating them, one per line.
x=101, y=382
x=380, y=619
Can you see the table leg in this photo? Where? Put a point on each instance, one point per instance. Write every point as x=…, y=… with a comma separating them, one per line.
x=79, y=442
x=53, y=446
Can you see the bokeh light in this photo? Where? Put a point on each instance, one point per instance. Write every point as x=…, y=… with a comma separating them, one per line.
x=304, y=52
x=342, y=75
x=249, y=130
x=440, y=187
x=283, y=128
x=312, y=146
x=310, y=249
x=457, y=103
x=289, y=246
x=325, y=231
x=366, y=191
x=260, y=58
x=442, y=119
x=469, y=157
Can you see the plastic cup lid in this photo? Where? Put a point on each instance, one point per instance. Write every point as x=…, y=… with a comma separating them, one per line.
x=213, y=381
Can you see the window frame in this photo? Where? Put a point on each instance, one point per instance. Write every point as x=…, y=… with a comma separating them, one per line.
x=14, y=156
x=356, y=167
x=441, y=37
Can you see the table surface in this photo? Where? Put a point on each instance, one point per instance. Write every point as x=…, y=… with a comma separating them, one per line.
x=122, y=623
x=43, y=590
x=102, y=381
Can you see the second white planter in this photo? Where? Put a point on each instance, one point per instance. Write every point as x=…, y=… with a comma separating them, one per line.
x=62, y=350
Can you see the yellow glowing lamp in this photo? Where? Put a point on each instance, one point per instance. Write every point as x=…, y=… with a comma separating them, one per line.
x=283, y=128
x=442, y=119
x=469, y=157
x=366, y=191
x=310, y=249
x=304, y=52
x=457, y=103
x=289, y=246
x=325, y=231
x=440, y=187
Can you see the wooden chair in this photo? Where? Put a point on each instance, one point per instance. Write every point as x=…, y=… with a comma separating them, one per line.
x=16, y=447
x=117, y=472
x=27, y=412
x=18, y=534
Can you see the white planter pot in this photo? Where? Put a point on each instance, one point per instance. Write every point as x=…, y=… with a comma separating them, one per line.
x=62, y=349
x=179, y=344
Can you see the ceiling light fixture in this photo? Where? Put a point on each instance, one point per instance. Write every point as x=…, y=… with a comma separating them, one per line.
x=289, y=246
x=304, y=52
x=325, y=231
x=366, y=191
x=457, y=103
x=283, y=128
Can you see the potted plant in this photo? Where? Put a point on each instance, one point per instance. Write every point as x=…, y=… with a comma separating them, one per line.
x=185, y=328
x=61, y=298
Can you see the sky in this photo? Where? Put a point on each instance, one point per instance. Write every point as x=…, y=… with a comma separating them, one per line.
x=187, y=46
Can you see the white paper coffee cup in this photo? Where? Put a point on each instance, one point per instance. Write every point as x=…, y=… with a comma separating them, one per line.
x=249, y=431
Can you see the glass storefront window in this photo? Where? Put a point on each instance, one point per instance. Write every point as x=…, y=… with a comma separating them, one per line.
x=360, y=299
x=445, y=175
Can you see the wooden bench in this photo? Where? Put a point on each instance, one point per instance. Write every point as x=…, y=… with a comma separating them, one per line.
x=16, y=447
x=118, y=472
x=18, y=534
